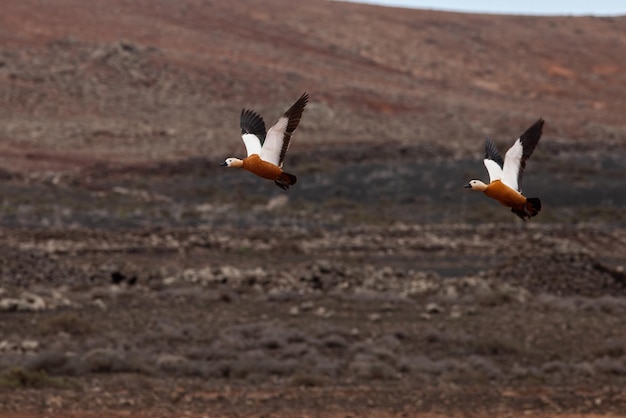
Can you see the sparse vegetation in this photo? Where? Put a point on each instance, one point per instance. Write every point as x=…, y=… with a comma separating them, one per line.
x=18, y=378
x=69, y=322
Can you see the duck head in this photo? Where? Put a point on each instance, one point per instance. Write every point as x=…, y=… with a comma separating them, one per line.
x=476, y=185
x=232, y=162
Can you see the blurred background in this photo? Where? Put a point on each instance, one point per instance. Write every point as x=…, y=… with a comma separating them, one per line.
x=97, y=99
x=132, y=260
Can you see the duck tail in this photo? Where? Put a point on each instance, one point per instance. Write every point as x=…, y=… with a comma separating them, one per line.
x=533, y=206
x=285, y=180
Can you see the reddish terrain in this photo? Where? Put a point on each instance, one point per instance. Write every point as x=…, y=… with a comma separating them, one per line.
x=137, y=278
x=165, y=80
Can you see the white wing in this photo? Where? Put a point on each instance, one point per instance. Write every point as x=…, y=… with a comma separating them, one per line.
x=516, y=156
x=252, y=143
x=273, y=145
x=494, y=169
x=279, y=136
x=512, y=164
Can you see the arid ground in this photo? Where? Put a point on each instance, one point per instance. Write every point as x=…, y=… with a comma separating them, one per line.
x=138, y=278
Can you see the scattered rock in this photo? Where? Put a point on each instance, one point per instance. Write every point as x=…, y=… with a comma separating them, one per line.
x=26, y=302
x=433, y=308
x=561, y=273
x=374, y=317
x=27, y=267
x=30, y=345
x=16, y=346
x=170, y=361
x=277, y=202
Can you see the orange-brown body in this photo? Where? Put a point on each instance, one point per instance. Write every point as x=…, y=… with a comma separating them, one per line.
x=505, y=195
x=256, y=165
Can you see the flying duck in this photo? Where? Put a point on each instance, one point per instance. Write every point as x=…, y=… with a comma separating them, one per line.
x=266, y=151
x=505, y=176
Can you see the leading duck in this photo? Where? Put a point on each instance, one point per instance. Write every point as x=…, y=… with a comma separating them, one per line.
x=505, y=177
x=266, y=151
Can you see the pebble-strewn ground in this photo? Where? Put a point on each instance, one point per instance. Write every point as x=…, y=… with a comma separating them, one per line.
x=197, y=318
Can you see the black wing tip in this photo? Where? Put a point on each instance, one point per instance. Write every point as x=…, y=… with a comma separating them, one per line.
x=294, y=113
x=536, y=129
x=488, y=147
x=491, y=152
x=251, y=122
x=539, y=124
x=248, y=115
x=531, y=137
x=304, y=98
x=299, y=105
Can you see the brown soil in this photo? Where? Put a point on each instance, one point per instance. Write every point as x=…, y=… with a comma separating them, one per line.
x=138, y=279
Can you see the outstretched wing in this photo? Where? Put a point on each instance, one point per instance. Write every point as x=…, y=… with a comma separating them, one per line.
x=279, y=135
x=493, y=161
x=252, y=131
x=516, y=156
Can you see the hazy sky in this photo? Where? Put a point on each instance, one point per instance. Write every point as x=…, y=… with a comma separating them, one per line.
x=534, y=7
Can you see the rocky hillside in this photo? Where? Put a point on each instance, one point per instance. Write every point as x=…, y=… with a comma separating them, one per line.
x=149, y=80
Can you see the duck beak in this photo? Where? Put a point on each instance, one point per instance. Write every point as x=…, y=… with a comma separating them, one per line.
x=223, y=164
x=467, y=186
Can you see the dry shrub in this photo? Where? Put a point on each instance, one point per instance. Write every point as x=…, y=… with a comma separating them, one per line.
x=552, y=372
x=309, y=380
x=220, y=369
x=181, y=366
x=391, y=341
x=20, y=378
x=217, y=350
x=256, y=351
x=107, y=360
x=272, y=341
x=299, y=350
x=611, y=348
x=334, y=341
x=459, y=371
x=284, y=296
x=368, y=367
x=257, y=363
x=244, y=336
x=422, y=365
x=68, y=322
x=561, y=273
x=493, y=346
x=495, y=297
x=324, y=330
x=469, y=369
x=326, y=366
x=526, y=373
x=605, y=304
x=560, y=303
x=554, y=367
x=54, y=362
x=608, y=304
x=445, y=338
x=611, y=366
x=485, y=367
x=461, y=343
